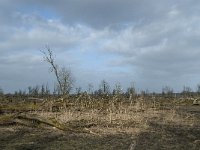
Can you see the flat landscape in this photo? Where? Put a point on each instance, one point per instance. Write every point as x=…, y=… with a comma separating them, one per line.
x=100, y=122
x=100, y=75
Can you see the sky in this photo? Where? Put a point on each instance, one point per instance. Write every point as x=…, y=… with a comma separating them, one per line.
x=153, y=43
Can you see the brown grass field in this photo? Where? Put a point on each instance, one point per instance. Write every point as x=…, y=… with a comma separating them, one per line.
x=100, y=123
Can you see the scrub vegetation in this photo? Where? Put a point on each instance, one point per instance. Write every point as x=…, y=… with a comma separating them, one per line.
x=104, y=121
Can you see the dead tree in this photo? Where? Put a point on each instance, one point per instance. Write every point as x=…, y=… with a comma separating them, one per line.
x=63, y=75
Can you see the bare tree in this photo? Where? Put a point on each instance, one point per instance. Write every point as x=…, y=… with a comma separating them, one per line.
x=78, y=90
x=131, y=90
x=66, y=80
x=186, y=90
x=167, y=91
x=104, y=87
x=118, y=88
x=36, y=90
x=30, y=91
x=42, y=92
x=47, y=90
x=198, y=89
x=63, y=75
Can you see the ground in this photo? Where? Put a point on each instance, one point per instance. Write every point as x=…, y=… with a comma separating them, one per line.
x=119, y=128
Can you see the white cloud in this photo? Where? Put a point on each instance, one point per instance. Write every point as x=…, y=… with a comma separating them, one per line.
x=151, y=44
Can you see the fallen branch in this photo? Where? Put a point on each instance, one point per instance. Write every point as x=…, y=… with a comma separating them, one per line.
x=91, y=132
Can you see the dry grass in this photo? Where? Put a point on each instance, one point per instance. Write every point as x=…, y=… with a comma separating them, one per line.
x=118, y=117
x=135, y=120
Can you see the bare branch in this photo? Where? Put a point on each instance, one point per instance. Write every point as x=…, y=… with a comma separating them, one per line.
x=63, y=76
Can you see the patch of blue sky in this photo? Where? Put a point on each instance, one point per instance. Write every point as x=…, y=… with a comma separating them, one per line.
x=43, y=12
x=35, y=11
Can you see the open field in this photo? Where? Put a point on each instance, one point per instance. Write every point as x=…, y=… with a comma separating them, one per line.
x=87, y=122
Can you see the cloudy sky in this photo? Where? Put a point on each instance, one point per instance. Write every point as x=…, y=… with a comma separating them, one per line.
x=151, y=42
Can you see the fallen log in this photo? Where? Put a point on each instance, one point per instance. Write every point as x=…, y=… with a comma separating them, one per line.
x=32, y=120
x=37, y=121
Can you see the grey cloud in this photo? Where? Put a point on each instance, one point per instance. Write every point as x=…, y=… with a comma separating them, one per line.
x=164, y=50
x=153, y=41
x=21, y=71
x=41, y=33
x=103, y=13
x=100, y=13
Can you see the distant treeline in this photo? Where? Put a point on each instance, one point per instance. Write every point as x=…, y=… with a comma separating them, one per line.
x=104, y=89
